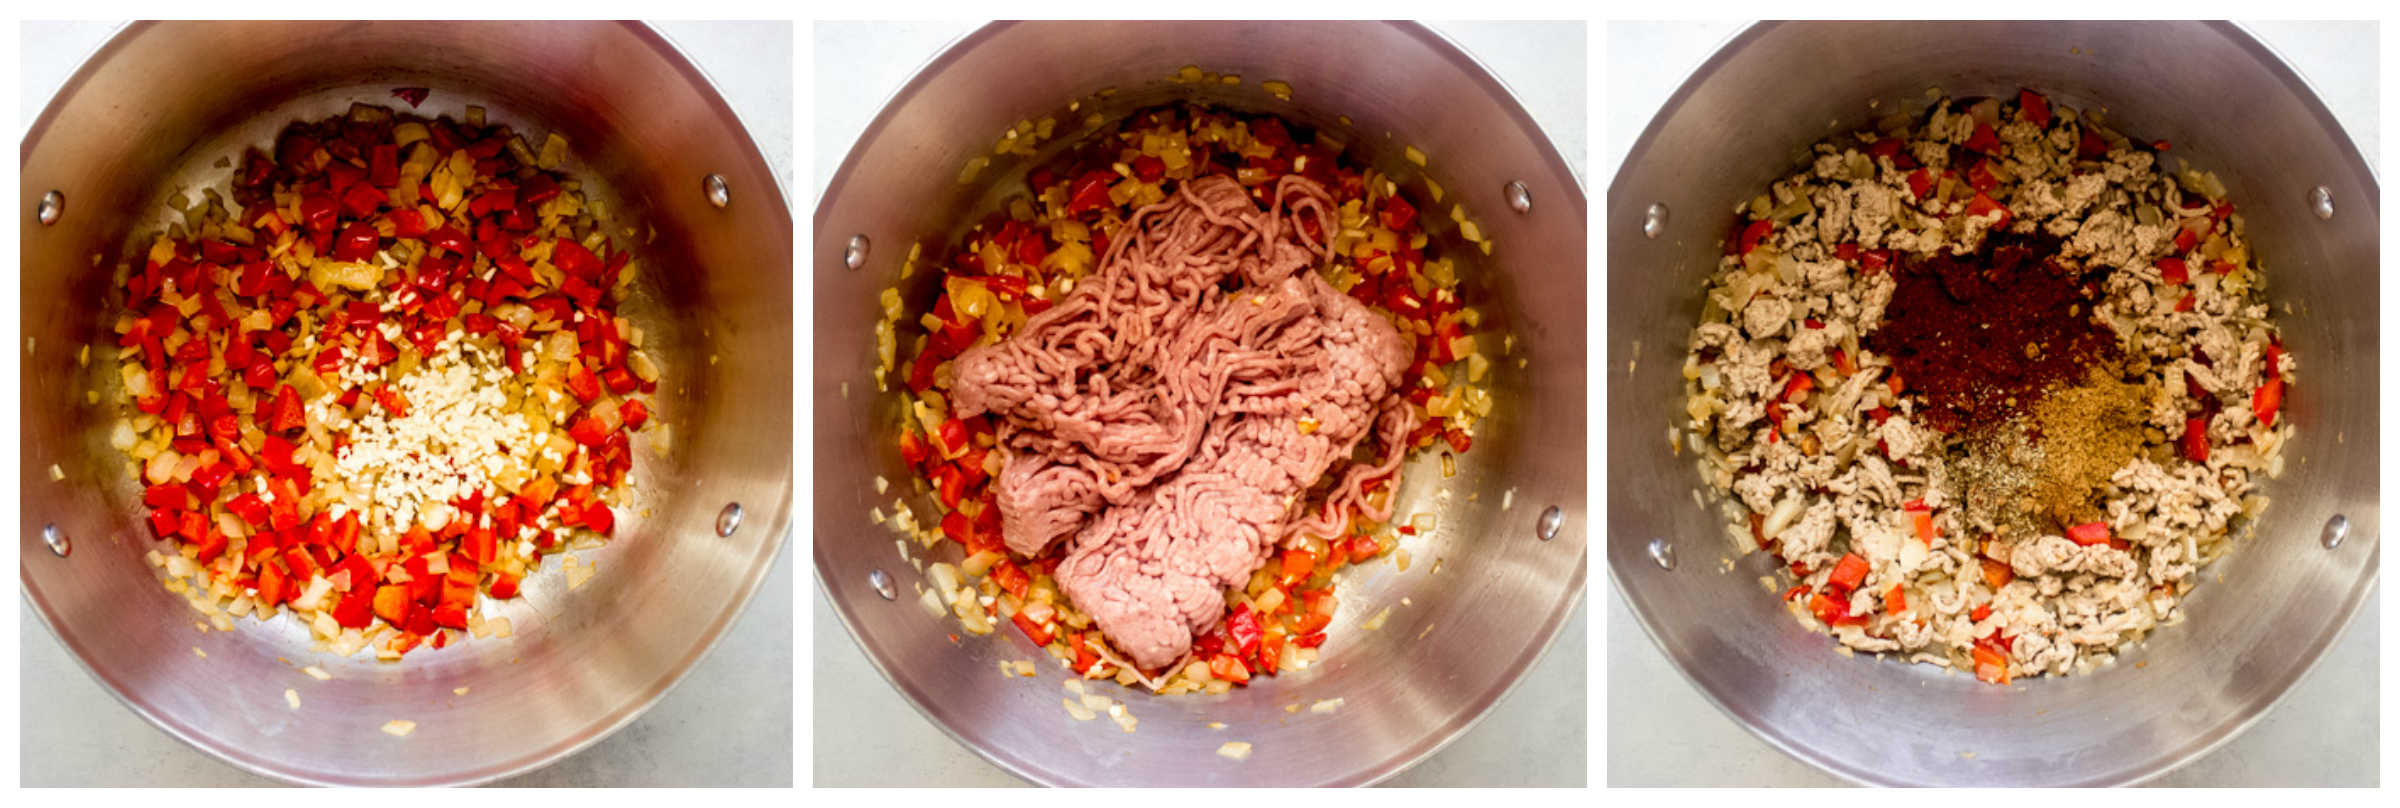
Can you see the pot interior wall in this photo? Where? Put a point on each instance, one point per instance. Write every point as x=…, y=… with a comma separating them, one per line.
x=2261, y=616
x=145, y=121
x=1500, y=594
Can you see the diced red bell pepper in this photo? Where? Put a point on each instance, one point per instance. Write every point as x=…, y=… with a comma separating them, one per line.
x=1149, y=169
x=1991, y=666
x=951, y=485
x=2195, y=439
x=356, y=243
x=572, y=258
x=581, y=382
x=1920, y=182
x=1996, y=573
x=273, y=586
x=355, y=609
x=1228, y=668
x=1040, y=634
x=2091, y=146
x=1832, y=611
x=1983, y=205
x=1298, y=565
x=1755, y=234
x=2173, y=270
x=1983, y=140
x=1090, y=192
x=600, y=519
x=1847, y=573
x=1242, y=628
x=1317, y=612
x=1887, y=147
x=1981, y=612
x=167, y=495
x=1874, y=261
x=2035, y=107
x=2089, y=533
x=391, y=604
x=250, y=509
x=1398, y=214
x=288, y=413
x=1011, y=578
x=1895, y=600
x=504, y=587
x=2268, y=399
x=1924, y=523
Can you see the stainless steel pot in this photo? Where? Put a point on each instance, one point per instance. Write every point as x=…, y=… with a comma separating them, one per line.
x=1747, y=117
x=1501, y=592
x=148, y=115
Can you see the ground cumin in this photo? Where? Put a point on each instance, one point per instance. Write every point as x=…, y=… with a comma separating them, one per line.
x=2087, y=432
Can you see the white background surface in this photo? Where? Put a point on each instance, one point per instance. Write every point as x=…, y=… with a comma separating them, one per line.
x=728, y=722
x=867, y=734
x=1662, y=732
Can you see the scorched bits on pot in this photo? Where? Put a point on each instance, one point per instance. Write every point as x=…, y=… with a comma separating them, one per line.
x=1991, y=383
x=1166, y=394
x=383, y=382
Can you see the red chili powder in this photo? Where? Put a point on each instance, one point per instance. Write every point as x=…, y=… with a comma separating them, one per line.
x=1980, y=337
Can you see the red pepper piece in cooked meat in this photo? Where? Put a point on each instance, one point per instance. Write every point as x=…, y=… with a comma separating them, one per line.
x=1983, y=140
x=2195, y=439
x=1848, y=573
x=2174, y=271
x=2091, y=147
x=1755, y=234
x=1996, y=573
x=2035, y=107
x=2089, y=533
x=2268, y=399
x=1895, y=600
x=1991, y=666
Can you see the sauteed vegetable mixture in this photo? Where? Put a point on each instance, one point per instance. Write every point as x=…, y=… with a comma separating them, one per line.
x=1991, y=383
x=383, y=381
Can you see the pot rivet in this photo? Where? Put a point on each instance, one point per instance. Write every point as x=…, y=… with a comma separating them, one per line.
x=2336, y=529
x=1519, y=199
x=883, y=585
x=1663, y=553
x=2321, y=200
x=718, y=194
x=1547, y=528
x=1654, y=220
x=730, y=519
x=58, y=541
x=855, y=255
x=53, y=205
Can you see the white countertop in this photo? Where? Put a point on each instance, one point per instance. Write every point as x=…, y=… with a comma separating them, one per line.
x=739, y=697
x=866, y=734
x=1662, y=732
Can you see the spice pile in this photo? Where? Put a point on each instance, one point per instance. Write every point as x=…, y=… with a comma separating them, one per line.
x=1991, y=383
x=387, y=380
